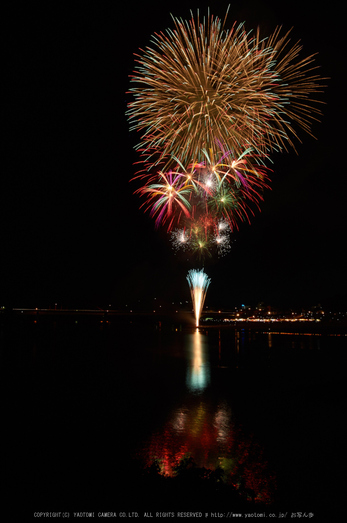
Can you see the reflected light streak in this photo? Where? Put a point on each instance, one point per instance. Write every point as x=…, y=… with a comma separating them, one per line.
x=201, y=436
x=222, y=423
x=198, y=373
x=213, y=440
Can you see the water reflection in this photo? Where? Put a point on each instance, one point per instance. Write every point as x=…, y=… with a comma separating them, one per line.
x=269, y=339
x=203, y=431
x=198, y=372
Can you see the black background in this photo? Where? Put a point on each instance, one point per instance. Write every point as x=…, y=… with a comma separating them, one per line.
x=71, y=230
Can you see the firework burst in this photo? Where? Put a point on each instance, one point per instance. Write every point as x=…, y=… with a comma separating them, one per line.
x=201, y=84
x=210, y=105
x=192, y=203
x=167, y=198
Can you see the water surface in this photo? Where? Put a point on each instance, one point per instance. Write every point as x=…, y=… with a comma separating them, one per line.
x=93, y=405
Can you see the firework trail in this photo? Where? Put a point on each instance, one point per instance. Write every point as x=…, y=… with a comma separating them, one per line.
x=198, y=283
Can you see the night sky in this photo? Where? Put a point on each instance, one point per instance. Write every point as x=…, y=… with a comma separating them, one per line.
x=72, y=232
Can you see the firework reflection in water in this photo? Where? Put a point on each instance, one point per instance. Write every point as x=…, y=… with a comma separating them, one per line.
x=198, y=283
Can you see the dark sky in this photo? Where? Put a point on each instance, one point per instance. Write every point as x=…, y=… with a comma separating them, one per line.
x=71, y=230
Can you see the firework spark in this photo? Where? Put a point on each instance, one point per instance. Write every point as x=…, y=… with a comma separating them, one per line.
x=194, y=202
x=169, y=196
x=222, y=239
x=200, y=84
x=211, y=104
x=198, y=283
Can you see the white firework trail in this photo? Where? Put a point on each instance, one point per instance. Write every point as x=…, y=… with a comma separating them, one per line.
x=198, y=283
